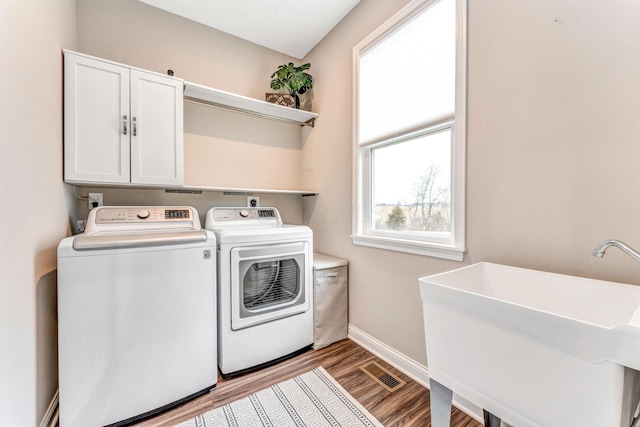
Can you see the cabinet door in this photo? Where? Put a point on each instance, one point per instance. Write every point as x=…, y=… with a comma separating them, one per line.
x=157, y=154
x=96, y=116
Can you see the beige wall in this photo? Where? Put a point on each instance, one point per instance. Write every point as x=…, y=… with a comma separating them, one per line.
x=553, y=152
x=137, y=34
x=554, y=135
x=34, y=215
x=227, y=149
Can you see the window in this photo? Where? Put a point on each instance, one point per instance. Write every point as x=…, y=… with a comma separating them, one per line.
x=409, y=138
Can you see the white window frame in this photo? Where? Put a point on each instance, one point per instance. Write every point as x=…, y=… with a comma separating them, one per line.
x=453, y=248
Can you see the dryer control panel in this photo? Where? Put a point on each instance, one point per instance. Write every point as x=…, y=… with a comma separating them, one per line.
x=217, y=218
x=237, y=214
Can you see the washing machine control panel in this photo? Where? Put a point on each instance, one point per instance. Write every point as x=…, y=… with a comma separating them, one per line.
x=112, y=219
x=137, y=215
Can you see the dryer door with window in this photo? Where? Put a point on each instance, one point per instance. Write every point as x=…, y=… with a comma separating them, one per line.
x=268, y=282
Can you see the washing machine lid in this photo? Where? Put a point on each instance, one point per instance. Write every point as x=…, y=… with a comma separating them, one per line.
x=125, y=227
x=137, y=240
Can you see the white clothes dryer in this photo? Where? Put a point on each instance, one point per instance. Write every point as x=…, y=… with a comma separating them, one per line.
x=136, y=314
x=265, y=307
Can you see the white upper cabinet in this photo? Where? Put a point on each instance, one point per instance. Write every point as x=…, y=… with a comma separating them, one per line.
x=122, y=125
x=157, y=154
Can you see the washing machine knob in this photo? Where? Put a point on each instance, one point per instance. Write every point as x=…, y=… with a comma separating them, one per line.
x=143, y=214
x=244, y=213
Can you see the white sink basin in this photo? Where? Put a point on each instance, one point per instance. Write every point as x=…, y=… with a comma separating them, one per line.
x=535, y=348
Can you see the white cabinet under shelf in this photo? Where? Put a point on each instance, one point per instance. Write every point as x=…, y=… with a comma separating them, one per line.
x=122, y=125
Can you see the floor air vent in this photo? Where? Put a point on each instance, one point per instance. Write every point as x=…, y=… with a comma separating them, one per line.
x=383, y=376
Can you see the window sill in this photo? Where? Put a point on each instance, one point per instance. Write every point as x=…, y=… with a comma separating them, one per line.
x=412, y=247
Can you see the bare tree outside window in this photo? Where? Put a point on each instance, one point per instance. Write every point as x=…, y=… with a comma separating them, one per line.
x=429, y=209
x=425, y=197
x=413, y=176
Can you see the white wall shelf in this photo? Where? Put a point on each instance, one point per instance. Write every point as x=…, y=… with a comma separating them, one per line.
x=200, y=189
x=241, y=191
x=229, y=101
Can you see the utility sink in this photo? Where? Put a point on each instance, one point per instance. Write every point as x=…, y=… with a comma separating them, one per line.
x=533, y=348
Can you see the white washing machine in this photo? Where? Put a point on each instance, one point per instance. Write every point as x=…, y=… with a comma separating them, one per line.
x=136, y=314
x=265, y=307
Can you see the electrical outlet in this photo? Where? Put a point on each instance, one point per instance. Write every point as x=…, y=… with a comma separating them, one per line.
x=95, y=200
x=253, y=202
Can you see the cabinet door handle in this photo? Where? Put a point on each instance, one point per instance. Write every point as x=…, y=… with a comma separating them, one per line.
x=331, y=274
x=124, y=124
x=135, y=126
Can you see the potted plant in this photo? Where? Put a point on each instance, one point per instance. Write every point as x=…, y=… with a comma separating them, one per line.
x=294, y=80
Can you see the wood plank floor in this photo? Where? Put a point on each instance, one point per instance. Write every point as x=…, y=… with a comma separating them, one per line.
x=408, y=406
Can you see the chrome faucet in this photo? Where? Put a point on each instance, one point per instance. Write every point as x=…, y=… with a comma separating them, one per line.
x=599, y=251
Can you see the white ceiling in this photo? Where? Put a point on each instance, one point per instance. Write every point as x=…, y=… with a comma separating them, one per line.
x=292, y=27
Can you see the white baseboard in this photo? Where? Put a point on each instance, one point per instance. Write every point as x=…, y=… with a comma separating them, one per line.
x=51, y=414
x=408, y=366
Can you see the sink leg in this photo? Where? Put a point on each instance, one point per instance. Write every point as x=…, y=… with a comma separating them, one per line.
x=441, y=398
x=490, y=420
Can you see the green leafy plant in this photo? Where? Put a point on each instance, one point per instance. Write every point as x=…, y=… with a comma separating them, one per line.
x=293, y=79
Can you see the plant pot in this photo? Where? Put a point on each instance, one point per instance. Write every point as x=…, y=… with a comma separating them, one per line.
x=281, y=99
x=306, y=100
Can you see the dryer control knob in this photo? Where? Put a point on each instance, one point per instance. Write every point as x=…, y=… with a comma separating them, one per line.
x=143, y=214
x=244, y=213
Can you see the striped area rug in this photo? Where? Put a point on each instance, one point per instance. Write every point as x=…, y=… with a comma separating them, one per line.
x=313, y=399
